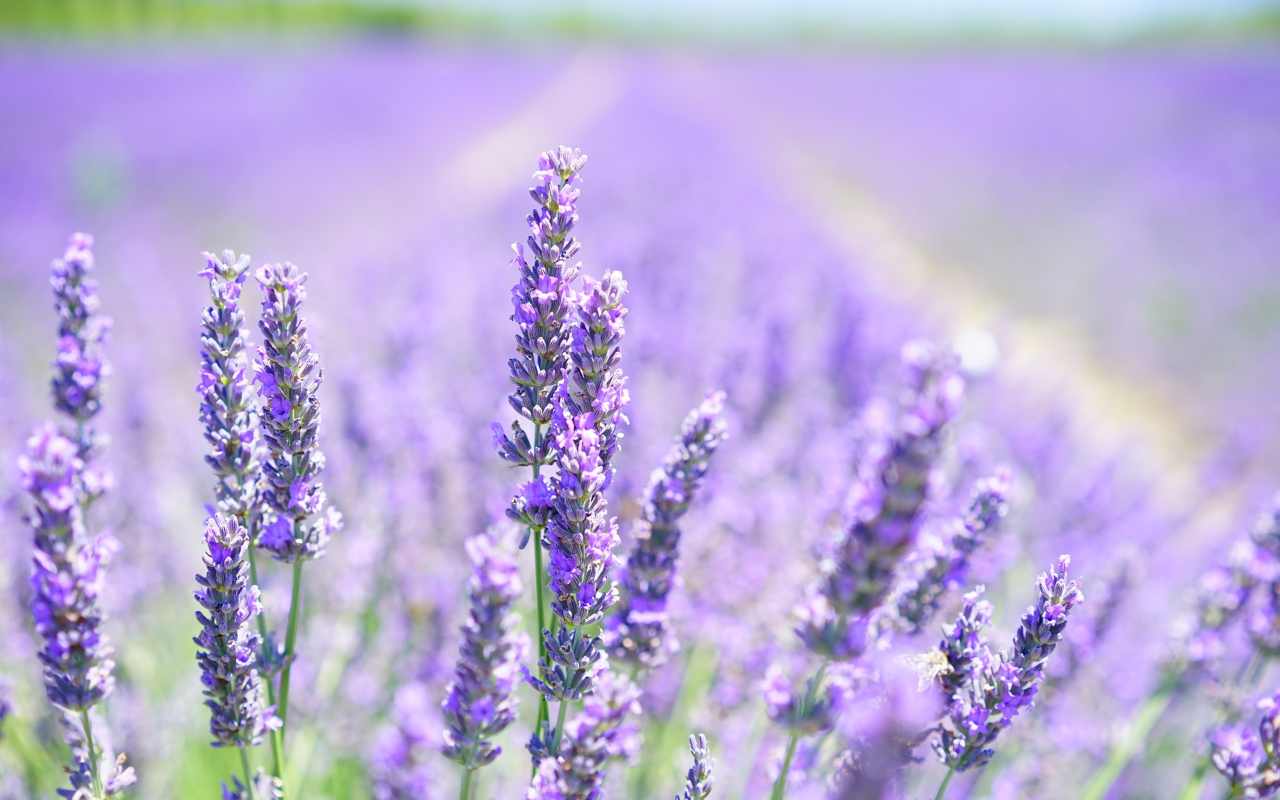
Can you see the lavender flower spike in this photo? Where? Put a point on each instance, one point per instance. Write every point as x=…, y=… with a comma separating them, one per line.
x=542, y=301
x=997, y=691
x=697, y=782
x=594, y=384
x=893, y=483
x=917, y=599
x=1249, y=762
x=596, y=736
x=479, y=703
x=228, y=645
x=80, y=366
x=288, y=374
x=637, y=632
x=227, y=408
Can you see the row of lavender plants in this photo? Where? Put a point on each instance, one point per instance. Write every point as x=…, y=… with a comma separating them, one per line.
x=858, y=697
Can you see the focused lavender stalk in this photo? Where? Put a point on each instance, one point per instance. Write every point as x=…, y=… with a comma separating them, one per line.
x=80, y=366
x=599, y=734
x=297, y=524
x=1251, y=762
x=228, y=645
x=479, y=703
x=637, y=633
x=67, y=574
x=916, y=599
x=698, y=780
x=542, y=302
x=986, y=693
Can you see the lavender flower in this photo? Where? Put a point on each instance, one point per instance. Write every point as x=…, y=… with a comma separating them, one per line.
x=264, y=786
x=226, y=403
x=697, y=782
x=916, y=600
x=288, y=374
x=1251, y=762
x=637, y=632
x=599, y=734
x=998, y=690
x=479, y=703
x=1264, y=621
x=6, y=704
x=404, y=758
x=543, y=301
x=814, y=710
x=228, y=645
x=80, y=366
x=893, y=483
x=67, y=574
x=963, y=650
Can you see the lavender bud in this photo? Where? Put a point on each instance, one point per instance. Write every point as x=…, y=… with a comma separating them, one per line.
x=479, y=703
x=697, y=782
x=116, y=778
x=1251, y=762
x=964, y=650
x=599, y=734
x=288, y=375
x=542, y=300
x=228, y=646
x=227, y=409
x=637, y=633
x=80, y=366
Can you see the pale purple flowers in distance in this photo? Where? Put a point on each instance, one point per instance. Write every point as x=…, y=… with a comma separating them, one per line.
x=228, y=652
x=543, y=302
x=67, y=575
x=288, y=375
x=985, y=692
x=479, y=702
x=598, y=734
x=638, y=632
x=227, y=404
x=1251, y=762
x=698, y=780
x=80, y=365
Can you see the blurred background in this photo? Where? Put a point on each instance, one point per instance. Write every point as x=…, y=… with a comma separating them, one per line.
x=1081, y=197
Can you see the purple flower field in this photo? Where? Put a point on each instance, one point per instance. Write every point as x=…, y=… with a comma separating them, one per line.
x=868, y=426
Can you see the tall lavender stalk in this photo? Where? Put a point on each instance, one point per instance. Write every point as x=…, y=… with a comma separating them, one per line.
x=986, y=692
x=542, y=301
x=600, y=733
x=297, y=524
x=637, y=633
x=697, y=783
x=479, y=703
x=81, y=366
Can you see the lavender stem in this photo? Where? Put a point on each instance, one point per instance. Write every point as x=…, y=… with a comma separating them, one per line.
x=539, y=578
x=946, y=781
x=248, y=773
x=290, y=637
x=465, y=792
x=780, y=785
x=86, y=725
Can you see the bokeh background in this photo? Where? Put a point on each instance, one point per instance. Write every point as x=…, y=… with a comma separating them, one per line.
x=1082, y=197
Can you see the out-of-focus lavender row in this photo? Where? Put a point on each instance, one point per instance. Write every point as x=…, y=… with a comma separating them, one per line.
x=393, y=177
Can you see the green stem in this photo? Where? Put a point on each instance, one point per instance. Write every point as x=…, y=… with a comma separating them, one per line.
x=1127, y=744
x=273, y=736
x=780, y=785
x=539, y=579
x=464, y=793
x=248, y=773
x=290, y=640
x=946, y=781
x=560, y=715
x=95, y=758
x=1195, y=786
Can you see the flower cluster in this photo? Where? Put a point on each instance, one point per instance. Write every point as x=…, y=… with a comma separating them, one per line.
x=945, y=562
x=479, y=703
x=543, y=301
x=887, y=499
x=228, y=646
x=227, y=409
x=637, y=632
x=698, y=780
x=288, y=375
x=1251, y=762
x=985, y=692
x=815, y=709
x=598, y=734
x=80, y=366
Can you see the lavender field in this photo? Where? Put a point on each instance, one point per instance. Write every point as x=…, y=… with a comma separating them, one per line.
x=895, y=425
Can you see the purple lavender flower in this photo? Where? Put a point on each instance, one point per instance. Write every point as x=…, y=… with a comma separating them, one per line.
x=67, y=575
x=80, y=366
x=404, y=758
x=6, y=704
x=893, y=483
x=543, y=301
x=264, y=787
x=599, y=734
x=479, y=703
x=288, y=375
x=698, y=780
x=1251, y=762
x=815, y=709
x=945, y=564
x=963, y=649
x=226, y=402
x=228, y=645
x=998, y=690
x=1264, y=621
x=637, y=633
